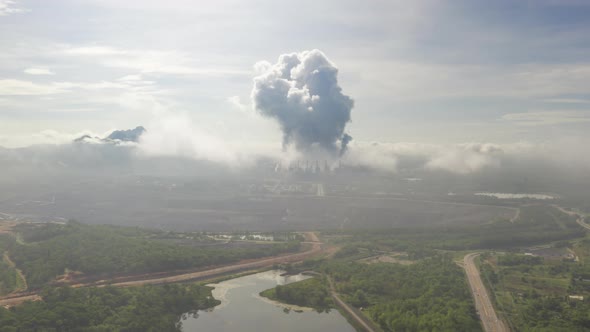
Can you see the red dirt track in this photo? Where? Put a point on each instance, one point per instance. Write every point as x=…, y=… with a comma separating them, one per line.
x=147, y=279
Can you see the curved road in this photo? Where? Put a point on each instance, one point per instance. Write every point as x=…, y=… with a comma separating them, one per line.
x=580, y=218
x=312, y=238
x=484, y=306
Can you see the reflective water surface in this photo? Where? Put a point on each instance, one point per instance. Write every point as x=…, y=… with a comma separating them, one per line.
x=243, y=310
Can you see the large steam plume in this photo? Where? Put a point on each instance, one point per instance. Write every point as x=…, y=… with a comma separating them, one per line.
x=301, y=92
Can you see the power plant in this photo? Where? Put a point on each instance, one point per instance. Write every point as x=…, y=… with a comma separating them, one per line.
x=307, y=167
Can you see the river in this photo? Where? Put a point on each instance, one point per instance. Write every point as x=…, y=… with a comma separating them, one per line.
x=243, y=310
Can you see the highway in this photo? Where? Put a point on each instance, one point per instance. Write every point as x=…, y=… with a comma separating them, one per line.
x=484, y=306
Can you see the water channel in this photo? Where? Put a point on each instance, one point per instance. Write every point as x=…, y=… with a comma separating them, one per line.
x=243, y=310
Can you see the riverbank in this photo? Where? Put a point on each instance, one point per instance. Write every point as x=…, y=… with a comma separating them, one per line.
x=143, y=279
x=311, y=293
x=243, y=309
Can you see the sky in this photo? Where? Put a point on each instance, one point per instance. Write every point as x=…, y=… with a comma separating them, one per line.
x=427, y=72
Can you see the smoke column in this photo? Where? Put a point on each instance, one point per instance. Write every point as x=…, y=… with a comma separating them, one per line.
x=301, y=92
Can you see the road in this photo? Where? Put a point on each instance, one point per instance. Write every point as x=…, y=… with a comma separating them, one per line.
x=259, y=263
x=358, y=318
x=12, y=301
x=321, y=192
x=484, y=306
x=579, y=220
x=390, y=198
x=516, y=216
x=312, y=238
x=20, y=274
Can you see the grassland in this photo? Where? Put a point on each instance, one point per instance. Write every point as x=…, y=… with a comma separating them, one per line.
x=550, y=293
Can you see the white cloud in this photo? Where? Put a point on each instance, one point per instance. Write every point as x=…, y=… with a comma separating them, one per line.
x=372, y=155
x=177, y=135
x=409, y=81
x=406, y=86
x=262, y=67
x=19, y=87
x=94, y=51
x=43, y=137
x=50, y=136
x=8, y=7
x=236, y=102
x=38, y=71
x=554, y=117
x=130, y=78
x=11, y=87
x=462, y=160
x=151, y=61
x=92, y=86
x=567, y=101
x=466, y=158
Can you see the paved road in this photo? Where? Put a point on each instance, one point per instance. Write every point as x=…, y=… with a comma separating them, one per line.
x=361, y=320
x=579, y=220
x=311, y=237
x=484, y=306
x=321, y=192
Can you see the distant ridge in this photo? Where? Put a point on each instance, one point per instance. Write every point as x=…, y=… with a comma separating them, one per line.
x=129, y=135
x=84, y=138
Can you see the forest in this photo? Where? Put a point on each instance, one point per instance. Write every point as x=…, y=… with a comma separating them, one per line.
x=8, y=277
x=536, y=224
x=311, y=293
x=427, y=292
x=134, y=309
x=46, y=252
x=430, y=295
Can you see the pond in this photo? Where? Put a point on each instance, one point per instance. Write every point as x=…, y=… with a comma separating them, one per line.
x=243, y=310
x=516, y=196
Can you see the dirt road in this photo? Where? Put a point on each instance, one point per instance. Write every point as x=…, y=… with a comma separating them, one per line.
x=484, y=306
x=9, y=302
x=259, y=263
x=19, y=273
x=247, y=265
